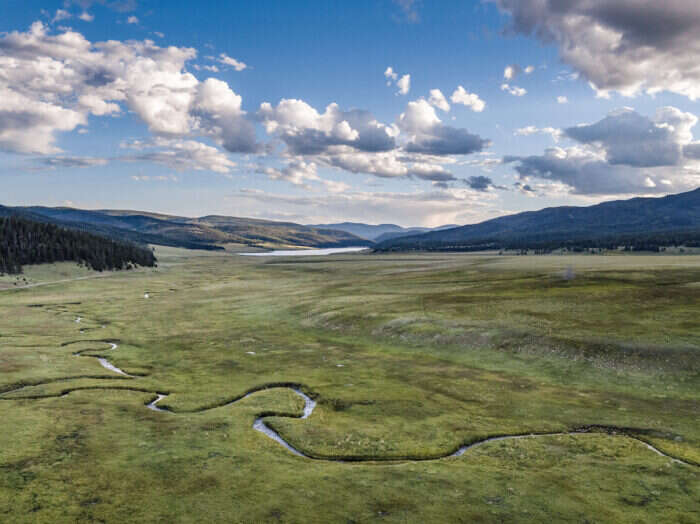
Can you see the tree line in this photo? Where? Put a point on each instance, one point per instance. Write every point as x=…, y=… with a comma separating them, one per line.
x=546, y=243
x=24, y=242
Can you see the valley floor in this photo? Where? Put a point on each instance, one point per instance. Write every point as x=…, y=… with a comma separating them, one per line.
x=407, y=357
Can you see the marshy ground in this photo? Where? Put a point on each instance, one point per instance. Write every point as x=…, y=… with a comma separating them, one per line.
x=407, y=356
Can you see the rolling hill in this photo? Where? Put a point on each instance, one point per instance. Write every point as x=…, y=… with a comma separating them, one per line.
x=379, y=232
x=24, y=241
x=210, y=232
x=638, y=221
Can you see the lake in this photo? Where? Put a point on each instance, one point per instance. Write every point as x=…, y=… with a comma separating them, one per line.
x=305, y=252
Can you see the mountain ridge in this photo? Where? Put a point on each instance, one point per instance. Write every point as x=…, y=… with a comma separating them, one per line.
x=211, y=232
x=557, y=226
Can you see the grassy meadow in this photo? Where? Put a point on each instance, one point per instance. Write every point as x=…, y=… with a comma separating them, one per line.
x=409, y=356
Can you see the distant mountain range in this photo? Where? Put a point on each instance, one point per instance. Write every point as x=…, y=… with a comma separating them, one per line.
x=637, y=222
x=209, y=232
x=377, y=233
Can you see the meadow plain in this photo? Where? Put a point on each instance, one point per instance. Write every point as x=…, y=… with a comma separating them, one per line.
x=408, y=356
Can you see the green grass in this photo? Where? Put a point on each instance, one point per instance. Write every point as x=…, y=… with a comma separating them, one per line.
x=436, y=351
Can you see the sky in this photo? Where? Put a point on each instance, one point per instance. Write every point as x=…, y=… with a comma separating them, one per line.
x=414, y=112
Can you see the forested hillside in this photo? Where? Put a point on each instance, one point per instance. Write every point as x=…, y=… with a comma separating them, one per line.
x=638, y=223
x=25, y=242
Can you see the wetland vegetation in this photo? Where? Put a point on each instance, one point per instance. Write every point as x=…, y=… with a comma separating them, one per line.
x=406, y=356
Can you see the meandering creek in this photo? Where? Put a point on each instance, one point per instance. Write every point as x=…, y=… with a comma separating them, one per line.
x=309, y=406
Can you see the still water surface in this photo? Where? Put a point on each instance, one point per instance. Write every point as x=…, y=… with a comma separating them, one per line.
x=304, y=252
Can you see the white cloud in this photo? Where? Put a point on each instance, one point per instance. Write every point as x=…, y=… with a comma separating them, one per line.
x=181, y=155
x=623, y=154
x=513, y=90
x=562, y=100
x=404, y=84
x=305, y=131
x=355, y=141
x=86, y=17
x=632, y=139
x=438, y=100
x=132, y=20
x=28, y=125
x=529, y=69
x=428, y=135
x=236, y=64
x=61, y=14
x=510, y=72
x=614, y=44
x=52, y=83
x=555, y=133
x=297, y=172
x=471, y=100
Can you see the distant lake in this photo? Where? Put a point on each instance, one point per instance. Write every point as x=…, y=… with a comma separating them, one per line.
x=304, y=252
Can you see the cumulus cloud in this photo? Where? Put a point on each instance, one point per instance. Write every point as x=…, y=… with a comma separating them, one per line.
x=555, y=133
x=229, y=61
x=404, y=84
x=180, y=155
x=511, y=71
x=632, y=139
x=305, y=131
x=50, y=83
x=471, y=100
x=417, y=146
x=562, y=100
x=428, y=135
x=614, y=44
x=514, y=90
x=132, y=20
x=28, y=125
x=296, y=172
x=438, y=100
x=624, y=153
x=390, y=164
x=392, y=78
x=86, y=17
x=61, y=14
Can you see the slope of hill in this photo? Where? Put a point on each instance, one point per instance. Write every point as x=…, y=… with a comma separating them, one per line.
x=196, y=233
x=650, y=221
x=379, y=232
x=24, y=241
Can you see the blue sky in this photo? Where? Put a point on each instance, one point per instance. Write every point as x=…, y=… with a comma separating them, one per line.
x=445, y=112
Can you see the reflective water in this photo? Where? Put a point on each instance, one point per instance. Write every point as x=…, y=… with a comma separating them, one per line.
x=305, y=252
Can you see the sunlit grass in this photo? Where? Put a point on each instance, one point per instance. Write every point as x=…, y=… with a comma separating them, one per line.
x=408, y=355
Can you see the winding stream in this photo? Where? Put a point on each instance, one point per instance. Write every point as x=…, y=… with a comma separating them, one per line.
x=309, y=406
